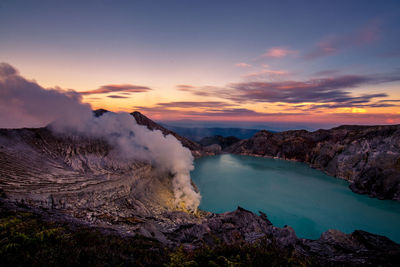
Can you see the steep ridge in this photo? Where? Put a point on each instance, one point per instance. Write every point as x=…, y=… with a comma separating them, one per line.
x=367, y=156
x=193, y=146
x=196, y=149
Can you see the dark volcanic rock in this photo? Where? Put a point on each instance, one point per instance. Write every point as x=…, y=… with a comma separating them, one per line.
x=333, y=248
x=359, y=248
x=367, y=156
x=219, y=140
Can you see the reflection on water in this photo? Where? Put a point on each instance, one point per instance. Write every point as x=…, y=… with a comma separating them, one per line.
x=291, y=193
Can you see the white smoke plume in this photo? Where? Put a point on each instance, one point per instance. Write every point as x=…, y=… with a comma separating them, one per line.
x=24, y=103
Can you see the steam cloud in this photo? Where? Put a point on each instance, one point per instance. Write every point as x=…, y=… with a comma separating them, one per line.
x=138, y=142
x=24, y=103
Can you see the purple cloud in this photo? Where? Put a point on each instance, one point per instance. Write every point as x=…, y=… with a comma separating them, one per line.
x=193, y=104
x=243, y=65
x=314, y=90
x=326, y=73
x=219, y=112
x=117, y=96
x=322, y=90
x=112, y=88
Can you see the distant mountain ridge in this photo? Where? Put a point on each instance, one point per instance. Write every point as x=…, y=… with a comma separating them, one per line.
x=198, y=133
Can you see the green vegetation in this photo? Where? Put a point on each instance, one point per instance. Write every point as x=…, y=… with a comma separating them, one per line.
x=247, y=255
x=26, y=239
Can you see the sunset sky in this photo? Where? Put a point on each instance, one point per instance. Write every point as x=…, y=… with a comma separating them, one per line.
x=320, y=63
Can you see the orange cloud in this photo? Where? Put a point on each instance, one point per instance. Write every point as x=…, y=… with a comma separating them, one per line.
x=266, y=72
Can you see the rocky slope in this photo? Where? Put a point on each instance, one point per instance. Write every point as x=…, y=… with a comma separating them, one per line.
x=78, y=178
x=367, y=156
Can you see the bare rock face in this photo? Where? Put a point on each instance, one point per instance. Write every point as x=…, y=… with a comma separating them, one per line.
x=87, y=179
x=367, y=156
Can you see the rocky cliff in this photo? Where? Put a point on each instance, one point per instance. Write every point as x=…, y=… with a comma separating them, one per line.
x=367, y=156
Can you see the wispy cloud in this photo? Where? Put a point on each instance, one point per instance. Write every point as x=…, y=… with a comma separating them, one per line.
x=266, y=73
x=352, y=104
x=185, y=108
x=334, y=44
x=334, y=90
x=241, y=112
x=243, y=65
x=325, y=73
x=278, y=52
x=314, y=90
x=113, y=88
x=194, y=104
x=117, y=96
x=216, y=112
x=199, y=91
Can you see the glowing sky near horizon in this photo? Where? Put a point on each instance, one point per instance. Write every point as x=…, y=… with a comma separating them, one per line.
x=321, y=62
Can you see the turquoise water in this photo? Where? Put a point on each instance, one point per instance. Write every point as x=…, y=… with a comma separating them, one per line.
x=291, y=193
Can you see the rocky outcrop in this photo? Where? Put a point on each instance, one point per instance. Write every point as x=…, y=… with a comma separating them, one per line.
x=223, y=142
x=367, y=156
x=359, y=248
x=333, y=248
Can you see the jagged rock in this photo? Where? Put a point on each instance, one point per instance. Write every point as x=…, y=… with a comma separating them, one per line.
x=333, y=248
x=359, y=248
x=367, y=156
